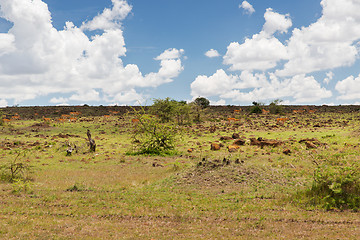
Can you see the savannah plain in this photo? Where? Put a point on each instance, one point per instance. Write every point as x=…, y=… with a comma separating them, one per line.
x=295, y=178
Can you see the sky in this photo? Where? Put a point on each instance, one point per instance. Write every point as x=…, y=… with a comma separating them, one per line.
x=130, y=52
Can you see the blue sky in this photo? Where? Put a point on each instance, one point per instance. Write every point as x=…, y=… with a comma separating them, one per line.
x=129, y=52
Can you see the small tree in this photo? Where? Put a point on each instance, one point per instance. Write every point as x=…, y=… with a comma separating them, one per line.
x=275, y=107
x=164, y=109
x=202, y=102
x=256, y=108
x=182, y=112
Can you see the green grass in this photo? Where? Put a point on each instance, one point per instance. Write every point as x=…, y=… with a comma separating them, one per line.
x=111, y=195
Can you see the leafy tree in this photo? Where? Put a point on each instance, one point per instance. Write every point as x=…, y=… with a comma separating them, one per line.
x=202, y=102
x=182, y=112
x=164, y=109
x=275, y=107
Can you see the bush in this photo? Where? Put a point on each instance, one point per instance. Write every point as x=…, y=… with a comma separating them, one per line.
x=152, y=137
x=164, y=109
x=256, y=108
x=275, y=107
x=16, y=170
x=336, y=185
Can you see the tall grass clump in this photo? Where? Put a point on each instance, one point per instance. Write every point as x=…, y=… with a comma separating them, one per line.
x=16, y=170
x=336, y=185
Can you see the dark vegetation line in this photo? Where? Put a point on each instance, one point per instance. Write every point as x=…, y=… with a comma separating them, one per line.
x=37, y=112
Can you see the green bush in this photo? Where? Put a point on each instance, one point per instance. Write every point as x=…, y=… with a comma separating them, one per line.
x=171, y=110
x=257, y=108
x=152, y=137
x=164, y=109
x=275, y=107
x=16, y=170
x=336, y=185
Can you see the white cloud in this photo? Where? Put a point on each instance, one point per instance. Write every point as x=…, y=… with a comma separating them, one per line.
x=58, y=100
x=349, y=88
x=217, y=84
x=109, y=18
x=221, y=102
x=258, y=53
x=263, y=51
x=275, y=22
x=212, y=53
x=3, y=103
x=37, y=60
x=328, y=43
x=171, y=53
x=329, y=77
x=248, y=8
x=250, y=87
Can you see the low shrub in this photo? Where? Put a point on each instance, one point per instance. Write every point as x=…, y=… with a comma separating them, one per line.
x=336, y=185
x=16, y=170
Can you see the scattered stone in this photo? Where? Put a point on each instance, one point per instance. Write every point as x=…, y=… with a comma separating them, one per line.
x=233, y=148
x=265, y=142
x=287, y=151
x=235, y=136
x=216, y=146
x=224, y=138
x=239, y=142
x=155, y=164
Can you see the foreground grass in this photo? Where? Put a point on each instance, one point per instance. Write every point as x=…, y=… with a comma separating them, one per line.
x=109, y=195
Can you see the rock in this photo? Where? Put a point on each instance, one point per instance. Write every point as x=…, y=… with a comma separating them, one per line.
x=216, y=146
x=240, y=142
x=287, y=151
x=265, y=142
x=224, y=138
x=155, y=164
x=233, y=148
x=235, y=136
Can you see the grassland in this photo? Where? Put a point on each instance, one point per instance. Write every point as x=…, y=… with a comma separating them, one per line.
x=255, y=193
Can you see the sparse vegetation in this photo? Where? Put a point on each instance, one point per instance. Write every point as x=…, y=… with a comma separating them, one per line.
x=267, y=180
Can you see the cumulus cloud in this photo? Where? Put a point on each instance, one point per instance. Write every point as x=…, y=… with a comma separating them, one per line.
x=249, y=87
x=275, y=22
x=109, y=18
x=212, y=53
x=248, y=8
x=258, y=53
x=263, y=51
x=328, y=43
x=36, y=59
x=349, y=88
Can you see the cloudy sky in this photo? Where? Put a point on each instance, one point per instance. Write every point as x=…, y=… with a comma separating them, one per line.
x=106, y=52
